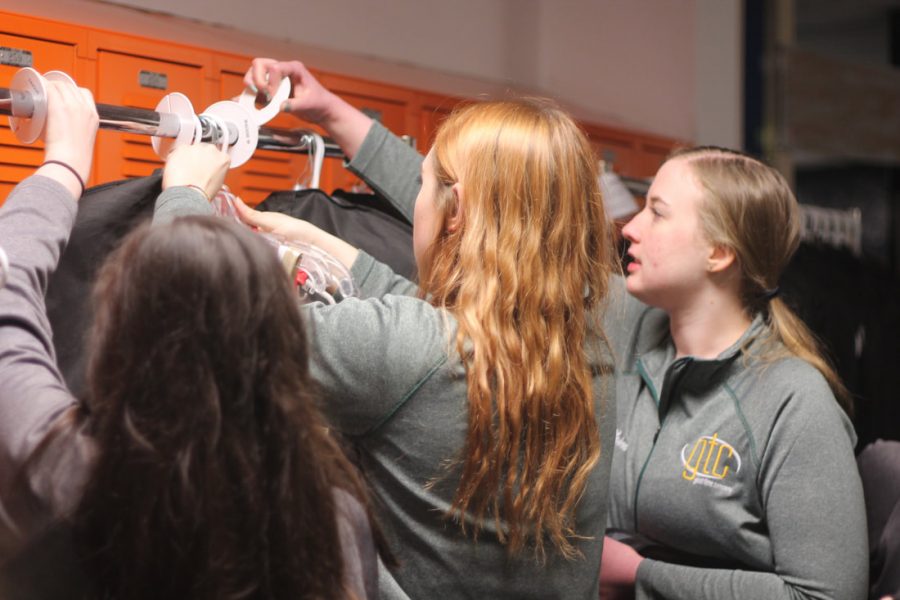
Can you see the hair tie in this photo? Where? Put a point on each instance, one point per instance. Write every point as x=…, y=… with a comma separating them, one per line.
x=199, y=189
x=769, y=294
x=70, y=168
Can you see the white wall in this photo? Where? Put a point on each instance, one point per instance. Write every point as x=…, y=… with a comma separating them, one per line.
x=631, y=63
x=719, y=60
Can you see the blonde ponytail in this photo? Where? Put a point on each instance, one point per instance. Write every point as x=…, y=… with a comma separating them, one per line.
x=749, y=207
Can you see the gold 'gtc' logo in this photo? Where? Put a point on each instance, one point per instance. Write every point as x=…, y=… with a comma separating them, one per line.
x=710, y=458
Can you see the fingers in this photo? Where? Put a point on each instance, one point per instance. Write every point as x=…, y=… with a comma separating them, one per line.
x=249, y=215
x=265, y=75
x=201, y=165
x=71, y=127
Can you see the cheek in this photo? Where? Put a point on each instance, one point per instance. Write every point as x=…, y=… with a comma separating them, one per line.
x=423, y=226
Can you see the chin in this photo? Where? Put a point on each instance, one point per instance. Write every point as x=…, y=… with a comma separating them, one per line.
x=634, y=288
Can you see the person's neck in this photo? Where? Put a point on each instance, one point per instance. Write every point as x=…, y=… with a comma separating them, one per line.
x=711, y=324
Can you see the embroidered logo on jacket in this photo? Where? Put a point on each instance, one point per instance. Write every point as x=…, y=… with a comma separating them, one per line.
x=709, y=461
x=621, y=444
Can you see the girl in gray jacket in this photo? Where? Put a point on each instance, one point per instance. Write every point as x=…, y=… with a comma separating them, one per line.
x=733, y=474
x=479, y=401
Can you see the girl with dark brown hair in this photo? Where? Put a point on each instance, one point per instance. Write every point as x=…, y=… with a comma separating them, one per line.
x=199, y=465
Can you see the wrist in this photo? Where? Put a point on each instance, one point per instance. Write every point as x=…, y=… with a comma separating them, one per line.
x=64, y=174
x=198, y=189
x=78, y=163
x=335, y=112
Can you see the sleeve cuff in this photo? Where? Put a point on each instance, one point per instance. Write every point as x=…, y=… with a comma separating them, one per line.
x=369, y=149
x=180, y=201
x=362, y=268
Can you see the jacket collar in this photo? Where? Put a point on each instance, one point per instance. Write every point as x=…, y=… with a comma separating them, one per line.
x=659, y=368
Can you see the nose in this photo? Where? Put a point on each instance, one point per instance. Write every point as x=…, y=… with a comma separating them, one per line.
x=630, y=230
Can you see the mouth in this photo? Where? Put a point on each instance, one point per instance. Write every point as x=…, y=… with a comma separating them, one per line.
x=631, y=263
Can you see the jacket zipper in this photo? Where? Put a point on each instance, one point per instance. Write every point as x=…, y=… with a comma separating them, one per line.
x=656, y=397
x=637, y=488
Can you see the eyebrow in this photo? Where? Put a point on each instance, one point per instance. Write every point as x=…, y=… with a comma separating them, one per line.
x=656, y=200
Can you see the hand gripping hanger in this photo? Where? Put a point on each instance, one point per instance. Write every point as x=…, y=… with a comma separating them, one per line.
x=234, y=125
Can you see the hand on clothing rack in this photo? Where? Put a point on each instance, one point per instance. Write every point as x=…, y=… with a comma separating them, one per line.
x=203, y=166
x=311, y=101
x=69, y=135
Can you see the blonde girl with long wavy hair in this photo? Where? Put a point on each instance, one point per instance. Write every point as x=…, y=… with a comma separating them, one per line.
x=480, y=401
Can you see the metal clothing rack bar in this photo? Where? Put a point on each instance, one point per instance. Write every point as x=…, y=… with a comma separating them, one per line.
x=148, y=122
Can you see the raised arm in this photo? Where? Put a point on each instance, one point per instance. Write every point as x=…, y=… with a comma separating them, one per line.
x=310, y=101
x=389, y=165
x=35, y=223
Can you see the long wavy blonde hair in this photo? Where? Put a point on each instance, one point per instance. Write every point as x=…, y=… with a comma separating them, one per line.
x=524, y=273
x=749, y=207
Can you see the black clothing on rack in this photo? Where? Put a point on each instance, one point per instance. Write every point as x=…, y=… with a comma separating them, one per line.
x=367, y=221
x=106, y=214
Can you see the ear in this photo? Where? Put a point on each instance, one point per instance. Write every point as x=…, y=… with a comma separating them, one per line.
x=720, y=258
x=455, y=219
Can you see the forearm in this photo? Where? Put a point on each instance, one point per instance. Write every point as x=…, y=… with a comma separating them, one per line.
x=657, y=580
x=35, y=224
x=333, y=245
x=180, y=201
x=346, y=124
x=390, y=167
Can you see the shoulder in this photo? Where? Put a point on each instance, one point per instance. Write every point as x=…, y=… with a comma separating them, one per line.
x=387, y=319
x=631, y=326
x=789, y=398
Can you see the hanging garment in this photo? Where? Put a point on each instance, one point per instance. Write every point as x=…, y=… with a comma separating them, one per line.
x=366, y=221
x=106, y=214
x=849, y=303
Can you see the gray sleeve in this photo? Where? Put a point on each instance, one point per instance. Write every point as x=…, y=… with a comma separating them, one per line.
x=370, y=356
x=390, y=167
x=376, y=279
x=357, y=547
x=35, y=223
x=621, y=315
x=815, y=516
x=180, y=201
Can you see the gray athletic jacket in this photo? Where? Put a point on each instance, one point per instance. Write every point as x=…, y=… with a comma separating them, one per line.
x=397, y=388
x=737, y=474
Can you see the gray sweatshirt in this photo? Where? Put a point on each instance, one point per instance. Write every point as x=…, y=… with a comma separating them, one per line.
x=737, y=474
x=397, y=388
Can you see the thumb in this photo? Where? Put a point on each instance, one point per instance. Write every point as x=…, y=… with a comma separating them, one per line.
x=250, y=216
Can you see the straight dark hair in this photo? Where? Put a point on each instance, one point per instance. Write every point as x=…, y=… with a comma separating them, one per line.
x=216, y=474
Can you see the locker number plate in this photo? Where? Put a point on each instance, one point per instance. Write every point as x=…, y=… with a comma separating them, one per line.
x=15, y=57
x=157, y=81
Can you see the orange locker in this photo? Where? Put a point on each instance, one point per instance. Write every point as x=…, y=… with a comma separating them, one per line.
x=434, y=109
x=617, y=147
x=44, y=47
x=392, y=106
x=654, y=152
x=138, y=74
x=268, y=171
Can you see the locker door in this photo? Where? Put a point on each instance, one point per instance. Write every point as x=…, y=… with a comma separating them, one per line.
x=268, y=171
x=389, y=105
x=17, y=161
x=138, y=82
x=434, y=109
x=617, y=147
